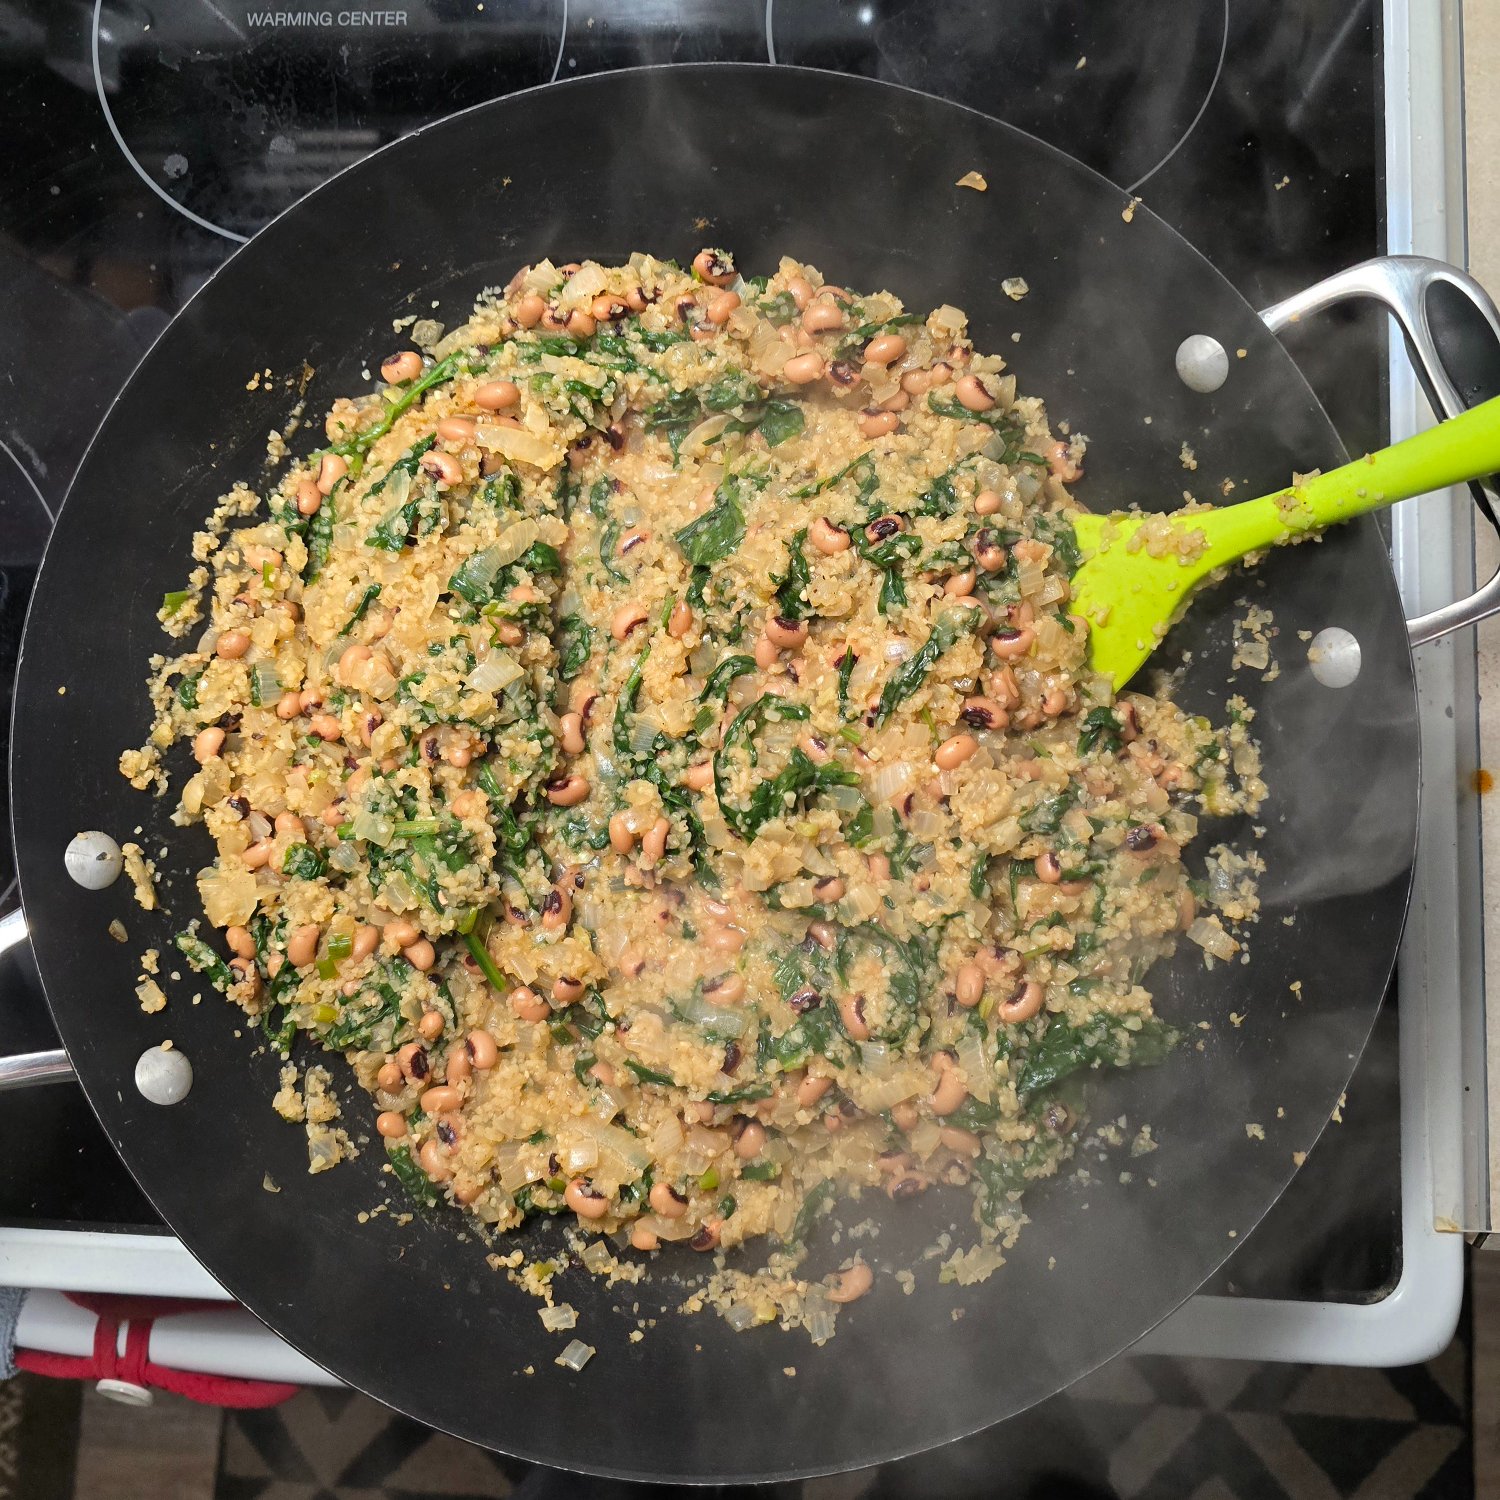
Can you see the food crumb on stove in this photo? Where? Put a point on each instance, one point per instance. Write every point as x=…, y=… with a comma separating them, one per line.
x=1298, y=1157
x=789, y=1371
x=1226, y=486
x=1241, y=353
x=973, y=180
x=1143, y=1142
x=116, y=930
x=1015, y=338
x=1129, y=212
x=966, y=1267
x=1482, y=781
x=1081, y=63
x=151, y=996
x=1234, y=1234
x=635, y=1335
x=268, y=1184
x=1285, y=181
x=1280, y=1112
x=287, y=1102
x=1235, y=1019
x=529, y=1370
x=956, y=1314
x=1296, y=988
x=142, y=875
x=151, y=961
x=1338, y=1110
x=1187, y=458
x=1255, y=1132
x=1014, y=287
x=62, y=692
x=253, y=384
x=1304, y=635
x=906, y=1281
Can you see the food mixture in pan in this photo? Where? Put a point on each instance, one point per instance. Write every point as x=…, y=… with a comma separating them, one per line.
x=651, y=741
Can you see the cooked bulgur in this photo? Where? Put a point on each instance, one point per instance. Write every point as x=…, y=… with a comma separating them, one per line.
x=651, y=741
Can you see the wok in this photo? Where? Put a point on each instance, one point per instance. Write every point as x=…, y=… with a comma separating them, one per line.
x=858, y=178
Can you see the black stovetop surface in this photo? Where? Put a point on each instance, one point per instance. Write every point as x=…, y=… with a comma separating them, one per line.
x=146, y=140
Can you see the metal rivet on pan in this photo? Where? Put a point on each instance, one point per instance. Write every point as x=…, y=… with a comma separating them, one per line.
x=163, y=1076
x=94, y=860
x=1333, y=655
x=1202, y=363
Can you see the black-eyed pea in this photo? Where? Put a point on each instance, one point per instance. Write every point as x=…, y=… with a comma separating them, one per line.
x=654, y=842
x=326, y=727
x=968, y=985
x=643, y=1237
x=567, y=791
x=666, y=1201
x=876, y=423
x=482, y=1050
x=953, y=752
x=309, y=498
x=567, y=990
x=302, y=945
x=724, y=989
x=698, y=778
x=528, y=312
x=557, y=908
x=621, y=833
x=986, y=503
x=885, y=349
x=258, y=855
x=680, y=620
x=960, y=585
x=232, y=644
x=852, y=1017
x=1008, y=642
x=972, y=394
x=631, y=962
x=570, y=729
x=330, y=471
x=402, y=932
x=851, y=1284
x=207, y=744
x=497, y=395
x=457, y=429
x=765, y=653
x=402, y=367
x=430, y=1025
x=608, y=308
x=415, y=1066
x=390, y=1124
x=1048, y=869
x=288, y=706
x=811, y=1089
x=421, y=955
x=443, y=467
x=240, y=942
x=707, y=1238
x=784, y=634
x=750, y=1141
x=528, y=1005
x=803, y=369
x=949, y=1091
x=960, y=1142
x=1024, y=1002
x=433, y=1163
x=828, y=538
x=625, y=619
x=714, y=267
x=721, y=308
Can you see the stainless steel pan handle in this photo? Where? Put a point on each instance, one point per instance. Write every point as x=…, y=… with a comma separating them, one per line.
x=27, y=1068
x=1452, y=332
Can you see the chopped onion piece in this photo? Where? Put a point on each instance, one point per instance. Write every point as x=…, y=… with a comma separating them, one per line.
x=558, y=1319
x=493, y=673
x=514, y=540
x=581, y=1156
x=520, y=446
x=892, y=781
x=615, y=1143
x=578, y=1354
x=1212, y=938
x=976, y=1066
x=374, y=828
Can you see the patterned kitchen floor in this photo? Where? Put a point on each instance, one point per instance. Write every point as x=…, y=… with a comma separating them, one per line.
x=1143, y=1428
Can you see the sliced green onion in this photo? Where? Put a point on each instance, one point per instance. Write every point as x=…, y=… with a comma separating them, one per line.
x=171, y=603
x=709, y=1180
x=481, y=956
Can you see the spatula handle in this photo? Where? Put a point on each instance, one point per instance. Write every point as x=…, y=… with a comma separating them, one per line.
x=1463, y=448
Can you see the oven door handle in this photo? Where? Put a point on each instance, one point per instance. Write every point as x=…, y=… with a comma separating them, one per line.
x=25, y=1069
x=1452, y=332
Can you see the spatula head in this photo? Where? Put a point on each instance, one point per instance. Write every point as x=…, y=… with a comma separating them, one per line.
x=1128, y=594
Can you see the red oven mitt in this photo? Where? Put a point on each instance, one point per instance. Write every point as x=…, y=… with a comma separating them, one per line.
x=134, y=1368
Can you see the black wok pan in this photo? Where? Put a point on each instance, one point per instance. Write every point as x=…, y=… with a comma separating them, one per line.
x=857, y=177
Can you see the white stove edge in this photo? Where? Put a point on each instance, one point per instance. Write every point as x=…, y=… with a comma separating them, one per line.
x=1440, y=971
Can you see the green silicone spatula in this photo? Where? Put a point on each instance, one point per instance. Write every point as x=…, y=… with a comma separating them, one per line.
x=1134, y=583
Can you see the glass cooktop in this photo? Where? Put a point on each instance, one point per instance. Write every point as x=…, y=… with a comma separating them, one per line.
x=147, y=139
